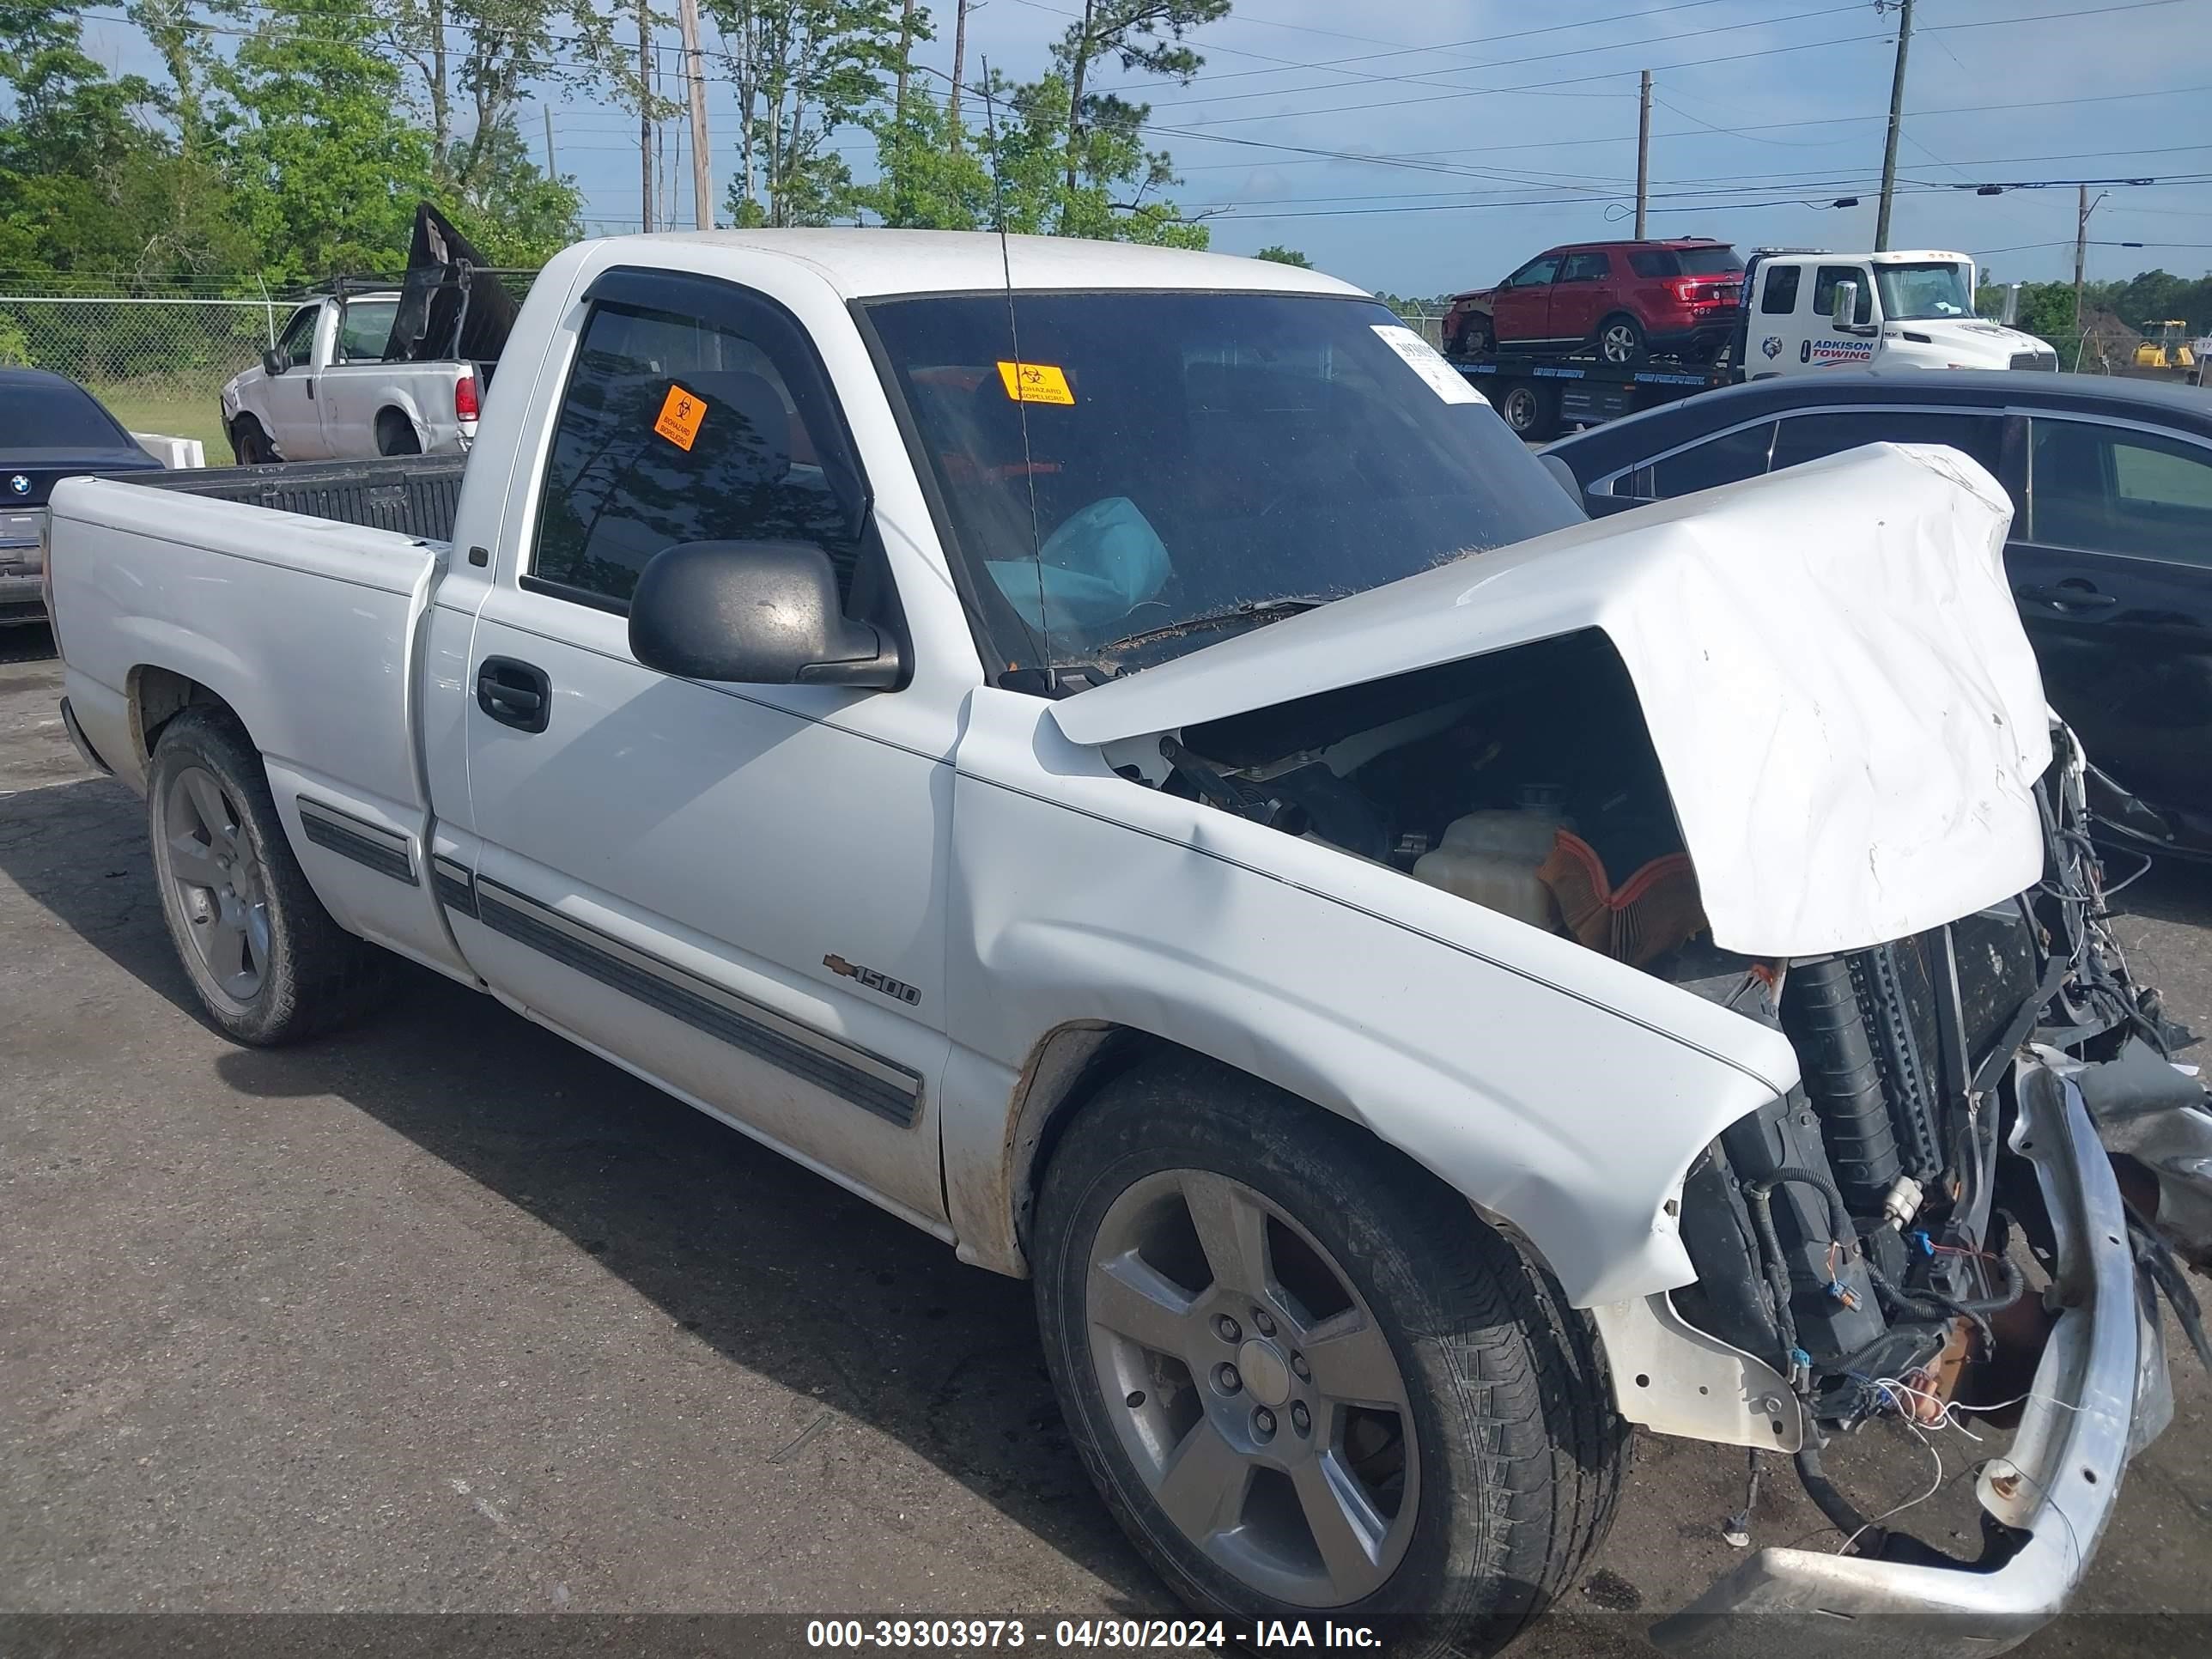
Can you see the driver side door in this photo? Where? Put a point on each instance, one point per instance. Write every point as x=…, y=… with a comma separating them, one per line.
x=736, y=890
x=1519, y=312
x=288, y=412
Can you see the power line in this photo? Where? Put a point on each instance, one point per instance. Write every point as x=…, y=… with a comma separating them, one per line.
x=1693, y=204
x=1697, y=62
x=1336, y=66
x=1383, y=158
x=1536, y=58
x=1732, y=183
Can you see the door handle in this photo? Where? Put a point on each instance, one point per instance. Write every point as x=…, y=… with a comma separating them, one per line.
x=515, y=693
x=2071, y=595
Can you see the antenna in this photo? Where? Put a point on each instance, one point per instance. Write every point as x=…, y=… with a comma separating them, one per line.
x=1021, y=406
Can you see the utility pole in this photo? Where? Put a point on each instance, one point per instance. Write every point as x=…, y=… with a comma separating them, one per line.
x=906, y=52
x=1644, y=155
x=551, y=176
x=702, y=180
x=1896, y=125
x=645, y=113
x=2080, y=248
x=959, y=57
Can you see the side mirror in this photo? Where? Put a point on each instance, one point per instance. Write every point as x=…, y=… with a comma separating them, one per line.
x=1843, y=312
x=754, y=613
x=272, y=363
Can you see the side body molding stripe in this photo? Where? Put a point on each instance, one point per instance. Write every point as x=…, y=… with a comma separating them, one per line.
x=890, y=1090
x=368, y=844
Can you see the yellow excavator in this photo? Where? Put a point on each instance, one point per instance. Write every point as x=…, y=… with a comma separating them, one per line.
x=2165, y=351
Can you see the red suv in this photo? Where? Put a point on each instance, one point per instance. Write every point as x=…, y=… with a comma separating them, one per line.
x=1629, y=300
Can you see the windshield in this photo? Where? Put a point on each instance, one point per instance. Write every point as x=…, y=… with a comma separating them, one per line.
x=1709, y=262
x=38, y=415
x=1937, y=289
x=1191, y=457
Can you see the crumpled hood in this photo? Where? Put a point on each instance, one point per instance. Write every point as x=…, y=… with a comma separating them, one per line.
x=1836, y=682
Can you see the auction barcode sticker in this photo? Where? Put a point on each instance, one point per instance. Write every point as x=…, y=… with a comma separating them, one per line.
x=1425, y=361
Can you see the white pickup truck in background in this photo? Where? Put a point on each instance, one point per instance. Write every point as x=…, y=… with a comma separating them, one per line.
x=325, y=392
x=1118, y=756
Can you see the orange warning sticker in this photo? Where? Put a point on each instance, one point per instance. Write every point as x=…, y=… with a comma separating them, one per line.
x=1036, y=383
x=681, y=411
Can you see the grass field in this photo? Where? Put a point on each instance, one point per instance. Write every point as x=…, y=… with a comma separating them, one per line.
x=171, y=412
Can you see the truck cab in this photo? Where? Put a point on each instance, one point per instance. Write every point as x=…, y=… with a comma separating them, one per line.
x=1808, y=310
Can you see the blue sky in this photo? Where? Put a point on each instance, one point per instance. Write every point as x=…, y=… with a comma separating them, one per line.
x=1765, y=111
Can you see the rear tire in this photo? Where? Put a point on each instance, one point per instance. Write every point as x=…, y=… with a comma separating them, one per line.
x=1400, y=1366
x=1532, y=411
x=1621, y=340
x=396, y=434
x=269, y=965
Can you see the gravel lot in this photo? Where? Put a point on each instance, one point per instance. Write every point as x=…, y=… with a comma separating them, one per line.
x=443, y=1315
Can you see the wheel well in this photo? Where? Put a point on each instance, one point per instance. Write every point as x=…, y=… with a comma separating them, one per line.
x=158, y=696
x=392, y=417
x=1066, y=1072
x=1074, y=1062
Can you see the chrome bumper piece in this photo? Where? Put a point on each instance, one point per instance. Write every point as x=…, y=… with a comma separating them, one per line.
x=2101, y=1395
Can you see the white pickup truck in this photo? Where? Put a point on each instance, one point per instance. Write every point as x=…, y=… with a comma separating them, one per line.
x=1118, y=756
x=325, y=392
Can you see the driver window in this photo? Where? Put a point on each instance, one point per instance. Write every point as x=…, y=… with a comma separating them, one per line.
x=1535, y=274
x=1824, y=292
x=297, y=347
x=673, y=429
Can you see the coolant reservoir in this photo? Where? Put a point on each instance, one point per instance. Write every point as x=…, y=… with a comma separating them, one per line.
x=1491, y=858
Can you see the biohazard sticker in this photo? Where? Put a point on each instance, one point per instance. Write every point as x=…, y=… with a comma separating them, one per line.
x=681, y=411
x=1036, y=383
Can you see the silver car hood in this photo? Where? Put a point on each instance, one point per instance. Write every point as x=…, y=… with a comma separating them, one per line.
x=1836, y=682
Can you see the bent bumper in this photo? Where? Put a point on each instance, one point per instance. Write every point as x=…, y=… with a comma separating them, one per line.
x=2101, y=1395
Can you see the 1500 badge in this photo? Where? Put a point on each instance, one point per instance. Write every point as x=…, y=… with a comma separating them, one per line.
x=875, y=981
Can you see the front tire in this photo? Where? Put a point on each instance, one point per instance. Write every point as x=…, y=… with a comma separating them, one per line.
x=1307, y=1379
x=269, y=964
x=249, y=444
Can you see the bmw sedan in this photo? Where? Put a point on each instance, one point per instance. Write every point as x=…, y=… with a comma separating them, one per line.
x=2110, y=558
x=50, y=428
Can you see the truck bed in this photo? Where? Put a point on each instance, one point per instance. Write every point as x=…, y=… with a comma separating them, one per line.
x=413, y=494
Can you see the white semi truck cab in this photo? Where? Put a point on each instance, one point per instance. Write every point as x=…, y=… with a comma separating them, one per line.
x=1807, y=310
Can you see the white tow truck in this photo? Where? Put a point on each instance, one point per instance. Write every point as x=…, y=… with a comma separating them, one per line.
x=1118, y=756
x=1809, y=310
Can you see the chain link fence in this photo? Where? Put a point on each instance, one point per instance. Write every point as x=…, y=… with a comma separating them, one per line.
x=158, y=361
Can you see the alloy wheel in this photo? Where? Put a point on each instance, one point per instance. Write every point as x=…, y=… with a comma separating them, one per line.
x=217, y=884
x=1252, y=1388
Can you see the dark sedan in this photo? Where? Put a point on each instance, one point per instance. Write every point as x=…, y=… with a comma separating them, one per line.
x=50, y=428
x=2111, y=552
